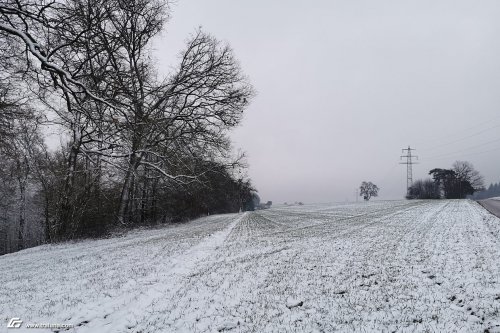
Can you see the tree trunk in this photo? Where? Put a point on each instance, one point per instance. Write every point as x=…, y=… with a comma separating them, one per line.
x=47, y=218
x=65, y=215
x=123, y=217
x=22, y=211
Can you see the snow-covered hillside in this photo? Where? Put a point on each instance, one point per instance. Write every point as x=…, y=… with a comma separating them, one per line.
x=381, y=266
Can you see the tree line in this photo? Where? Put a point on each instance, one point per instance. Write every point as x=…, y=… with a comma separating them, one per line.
x=492, y=191
x=137, y=148
x=460, y=181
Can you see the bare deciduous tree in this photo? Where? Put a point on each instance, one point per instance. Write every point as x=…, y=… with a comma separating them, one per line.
x=127, y=129
x=44, y=28
x=465, y=171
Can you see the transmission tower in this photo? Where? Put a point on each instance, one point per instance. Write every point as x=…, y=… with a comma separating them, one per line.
x=409, y=162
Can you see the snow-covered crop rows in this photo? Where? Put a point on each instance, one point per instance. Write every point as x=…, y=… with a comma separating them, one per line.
x=406, y=266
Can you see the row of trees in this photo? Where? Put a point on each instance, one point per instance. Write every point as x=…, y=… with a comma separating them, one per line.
x=137, y=148
x=492, y=191
x=455, y=183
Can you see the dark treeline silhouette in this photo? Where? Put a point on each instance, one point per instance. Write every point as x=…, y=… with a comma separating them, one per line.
x=492, y=191
x=456, y=183
x=137, y=148
x=424, y=189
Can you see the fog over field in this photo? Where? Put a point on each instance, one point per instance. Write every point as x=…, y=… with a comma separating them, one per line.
x=343, y=86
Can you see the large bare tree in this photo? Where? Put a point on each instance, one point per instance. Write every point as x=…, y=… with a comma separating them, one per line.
x=91, y=60
x=465, y=171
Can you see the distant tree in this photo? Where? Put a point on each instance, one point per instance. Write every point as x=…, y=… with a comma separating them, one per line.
x=253, y=202
x=424, y=189
x=492, y=191
x=458, y=182
x=465, y=172
x=444, y=179
x=368, y=190
x=20, y=143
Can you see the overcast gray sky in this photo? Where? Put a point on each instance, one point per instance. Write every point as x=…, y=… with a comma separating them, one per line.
x=344, y=85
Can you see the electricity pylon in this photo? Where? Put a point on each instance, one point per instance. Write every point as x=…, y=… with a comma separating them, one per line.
x=409, y=162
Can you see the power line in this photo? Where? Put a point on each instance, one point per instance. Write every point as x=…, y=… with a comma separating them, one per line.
x=465, y=149
x=409, y=163
x=463, y=130
x=466, y=154
x=463, y=138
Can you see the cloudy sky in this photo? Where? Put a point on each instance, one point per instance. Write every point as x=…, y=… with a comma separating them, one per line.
x=343, y=86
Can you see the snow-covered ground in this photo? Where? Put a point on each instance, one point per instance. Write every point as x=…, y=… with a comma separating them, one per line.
x=406, y=266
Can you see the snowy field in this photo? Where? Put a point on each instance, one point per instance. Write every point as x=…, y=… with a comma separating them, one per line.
x=419, y=266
